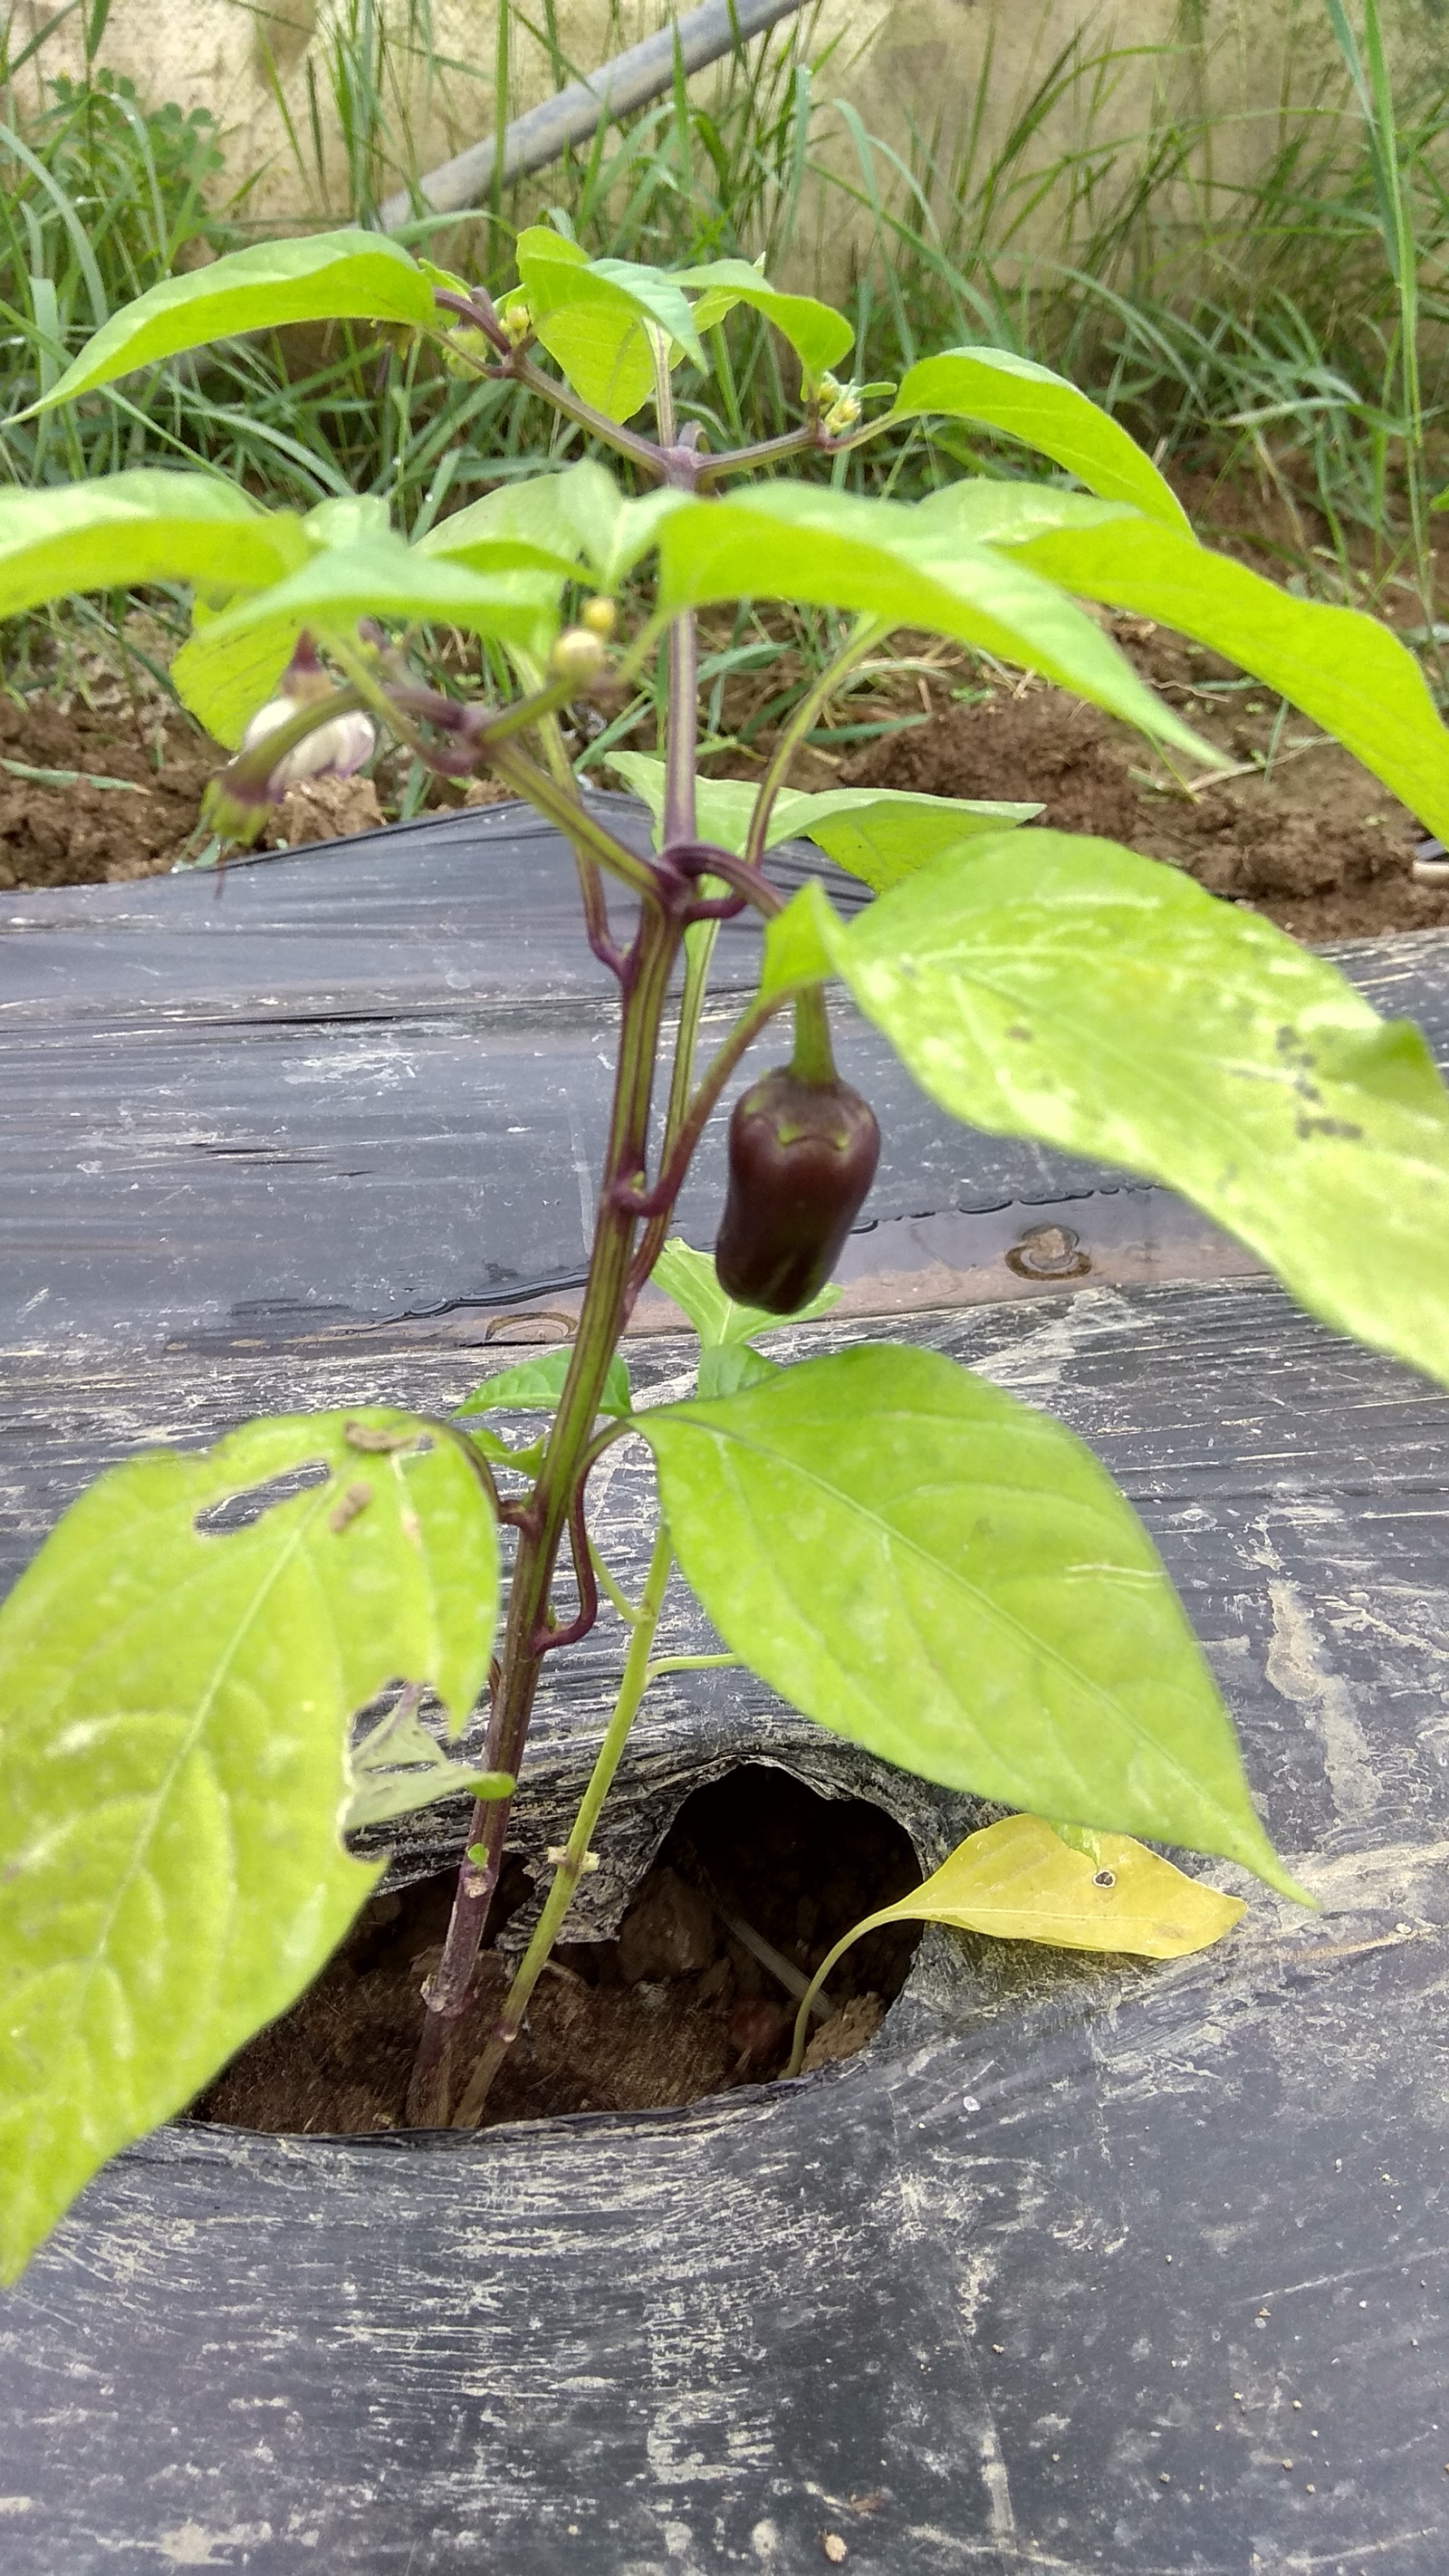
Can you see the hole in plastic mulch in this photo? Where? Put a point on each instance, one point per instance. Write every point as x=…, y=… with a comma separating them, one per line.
x=755, y=1882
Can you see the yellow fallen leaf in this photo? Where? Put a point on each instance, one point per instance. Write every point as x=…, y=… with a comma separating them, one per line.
x=1022, y=1880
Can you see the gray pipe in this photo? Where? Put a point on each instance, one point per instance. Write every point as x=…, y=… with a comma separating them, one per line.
x=645, y=72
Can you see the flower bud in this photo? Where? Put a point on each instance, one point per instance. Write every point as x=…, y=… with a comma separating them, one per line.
x=578, y=656
x=232, y=815
x=518, y=323
x=465, y=350
x=843, y=414
x=802, y=1156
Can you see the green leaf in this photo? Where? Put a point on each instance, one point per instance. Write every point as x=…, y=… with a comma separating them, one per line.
x=1018, y=1881
x=231, y=665
x=802, y=943
x=347, y=517
x=577, y=523
x=144, y=525
x=519, y=525
x=1044, y=411
x=923, y=1565
x=810, y=543
x=727, y=1368
x=878, y=833
x=535, y=1386
x=1079, y=1838
x=329, y=277
x=1067, y=989
x=174, y=1749
x=398, y=1768
x=1345, y=670
x=656, y=293
x=818, y=336
x=595, y=317
x=691, y=1280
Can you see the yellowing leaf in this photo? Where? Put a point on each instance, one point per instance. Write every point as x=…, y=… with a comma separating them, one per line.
x=1023, y=1880
x=1020, y=1880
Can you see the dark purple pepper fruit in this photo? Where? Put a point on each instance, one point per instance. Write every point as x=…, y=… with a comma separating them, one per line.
x=802, y=1156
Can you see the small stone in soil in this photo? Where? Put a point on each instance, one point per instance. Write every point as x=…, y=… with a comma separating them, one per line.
x=669, y=1931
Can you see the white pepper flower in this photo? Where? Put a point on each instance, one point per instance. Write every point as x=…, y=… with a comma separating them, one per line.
x=335, y=750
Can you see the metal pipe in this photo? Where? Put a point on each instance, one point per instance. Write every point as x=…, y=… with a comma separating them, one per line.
x=631, y=80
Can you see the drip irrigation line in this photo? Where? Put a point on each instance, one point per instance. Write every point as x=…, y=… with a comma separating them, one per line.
x=540, y=136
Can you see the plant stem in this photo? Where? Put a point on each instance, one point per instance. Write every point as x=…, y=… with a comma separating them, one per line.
x=679, y=760
x=813, y=1059
x=867, y=633
x=699, y=942
x=627, y=442
x=578, y=826
x=765, y=451
x=802, y=2018
x=747, y=1027
x=541, y=1530
x=635, y=1682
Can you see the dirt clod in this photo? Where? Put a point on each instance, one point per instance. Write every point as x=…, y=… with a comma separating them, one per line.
x=324, y=809
x=1012, y=750
x=846, y=2031
x=669, y=1930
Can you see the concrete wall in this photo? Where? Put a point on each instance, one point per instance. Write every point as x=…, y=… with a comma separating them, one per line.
x=948, y=68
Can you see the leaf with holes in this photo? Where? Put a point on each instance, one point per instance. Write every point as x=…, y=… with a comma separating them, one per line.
x=923, y=1565
x=324, y=277
x=1071, y=990
x=177, y=1673
x=1024, y=1880
x=1021, y=1880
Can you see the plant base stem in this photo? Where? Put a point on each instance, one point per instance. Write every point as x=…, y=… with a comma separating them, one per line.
x=567, y=1875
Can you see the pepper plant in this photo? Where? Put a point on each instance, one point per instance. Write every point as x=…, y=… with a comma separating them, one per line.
x=214, y=1668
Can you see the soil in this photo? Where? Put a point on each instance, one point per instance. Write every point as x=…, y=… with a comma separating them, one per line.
x=1315, y=843
x=1301, y=832
x=64, y=830
x=677, y=2007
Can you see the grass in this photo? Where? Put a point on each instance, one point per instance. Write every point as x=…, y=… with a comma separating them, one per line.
x=1288, y=330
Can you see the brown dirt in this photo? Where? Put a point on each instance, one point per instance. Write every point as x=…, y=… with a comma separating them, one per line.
x=677, y=2007
x=64, y=832
x=1316, y=844
x=1303, y=833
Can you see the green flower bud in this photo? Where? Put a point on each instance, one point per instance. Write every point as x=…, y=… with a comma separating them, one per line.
x=465, y=351
x=578, y=656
